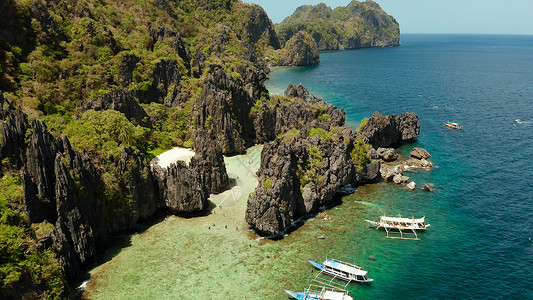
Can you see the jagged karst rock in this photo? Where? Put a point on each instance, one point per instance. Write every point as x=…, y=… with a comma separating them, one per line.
x=124, y=102
x=181, y=188
x=165, y=75
x=140, y=184
x=162, y=33
x=298, y=91
x=419, y=153
x=300, y=50
x=14, y=127
x=271, y=121
x=387, y=154
x=384, y=131
x=209, y=160
x=259, y=27
x=297, y=176
x=224, y=108
x=127, y=66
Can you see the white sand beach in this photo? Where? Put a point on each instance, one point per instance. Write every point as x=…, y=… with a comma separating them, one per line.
x=177, y=153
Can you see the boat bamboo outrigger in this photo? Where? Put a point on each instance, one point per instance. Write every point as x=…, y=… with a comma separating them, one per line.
x=316, y=292
x=400, y=225
x=339, y=270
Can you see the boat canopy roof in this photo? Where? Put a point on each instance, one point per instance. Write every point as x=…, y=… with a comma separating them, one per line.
x=345, y=268
x=402, y=220
x=330, y=295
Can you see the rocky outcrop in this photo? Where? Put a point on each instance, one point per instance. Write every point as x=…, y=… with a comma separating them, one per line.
x=259, y=29
x=280, y=116
x=303, y=169
x=124, y=102
x=411, y=186
x=300, y=50
x=387, y=154
x=127, y=66
x=181, y=188
x=384, y=131
x=162, y=33
x=224, y=108
x=389, y=172
x=419, y=153
x=209, y=162
x=299, y=176
x=296, y=91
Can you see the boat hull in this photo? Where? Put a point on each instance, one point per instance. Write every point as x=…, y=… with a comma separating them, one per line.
x=326, y=271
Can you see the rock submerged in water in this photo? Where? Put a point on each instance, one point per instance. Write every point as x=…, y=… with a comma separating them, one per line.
x=399, y=179
x=419, y=153
x=296, y=91
x=411, y=186
x=428, y=187
x=389, y=172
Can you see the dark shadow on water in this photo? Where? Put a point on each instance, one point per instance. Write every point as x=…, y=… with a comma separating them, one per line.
x=114, y=246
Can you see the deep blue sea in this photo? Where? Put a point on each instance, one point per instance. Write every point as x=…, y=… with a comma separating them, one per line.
x=480, y=243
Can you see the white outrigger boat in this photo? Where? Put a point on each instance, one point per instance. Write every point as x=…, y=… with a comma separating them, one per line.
x=393, y=224
x=453, y=125
x=339, y=270
x=320, y=293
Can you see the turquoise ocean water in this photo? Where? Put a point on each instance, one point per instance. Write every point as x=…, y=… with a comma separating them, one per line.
x=480, y=244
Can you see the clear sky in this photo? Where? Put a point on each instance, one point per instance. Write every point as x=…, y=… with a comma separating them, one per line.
x=435, y=16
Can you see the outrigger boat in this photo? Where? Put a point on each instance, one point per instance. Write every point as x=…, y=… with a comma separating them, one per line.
x=453, y=125
x=316, y=292
x=340, y=270
x=401, y=224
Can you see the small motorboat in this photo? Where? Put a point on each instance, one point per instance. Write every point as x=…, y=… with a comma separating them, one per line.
x=453, y=125
x=320, y=293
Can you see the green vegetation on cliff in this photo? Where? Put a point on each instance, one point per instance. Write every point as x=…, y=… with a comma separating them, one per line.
x=26, y=271
x=110, y=74
x=358, y=25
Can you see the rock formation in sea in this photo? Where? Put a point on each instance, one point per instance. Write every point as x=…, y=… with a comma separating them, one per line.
x=303, y=169
x=357, y=25
x=384, y=131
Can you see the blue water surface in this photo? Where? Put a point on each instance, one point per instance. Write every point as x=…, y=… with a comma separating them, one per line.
x=480, y=244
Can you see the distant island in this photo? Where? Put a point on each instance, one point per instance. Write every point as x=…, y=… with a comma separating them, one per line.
x=357, y=25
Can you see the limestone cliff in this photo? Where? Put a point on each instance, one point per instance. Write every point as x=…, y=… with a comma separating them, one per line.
x=358, y=25
x=300, y=50
x=63, y=187
x=304, y=168
x=384, y=131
